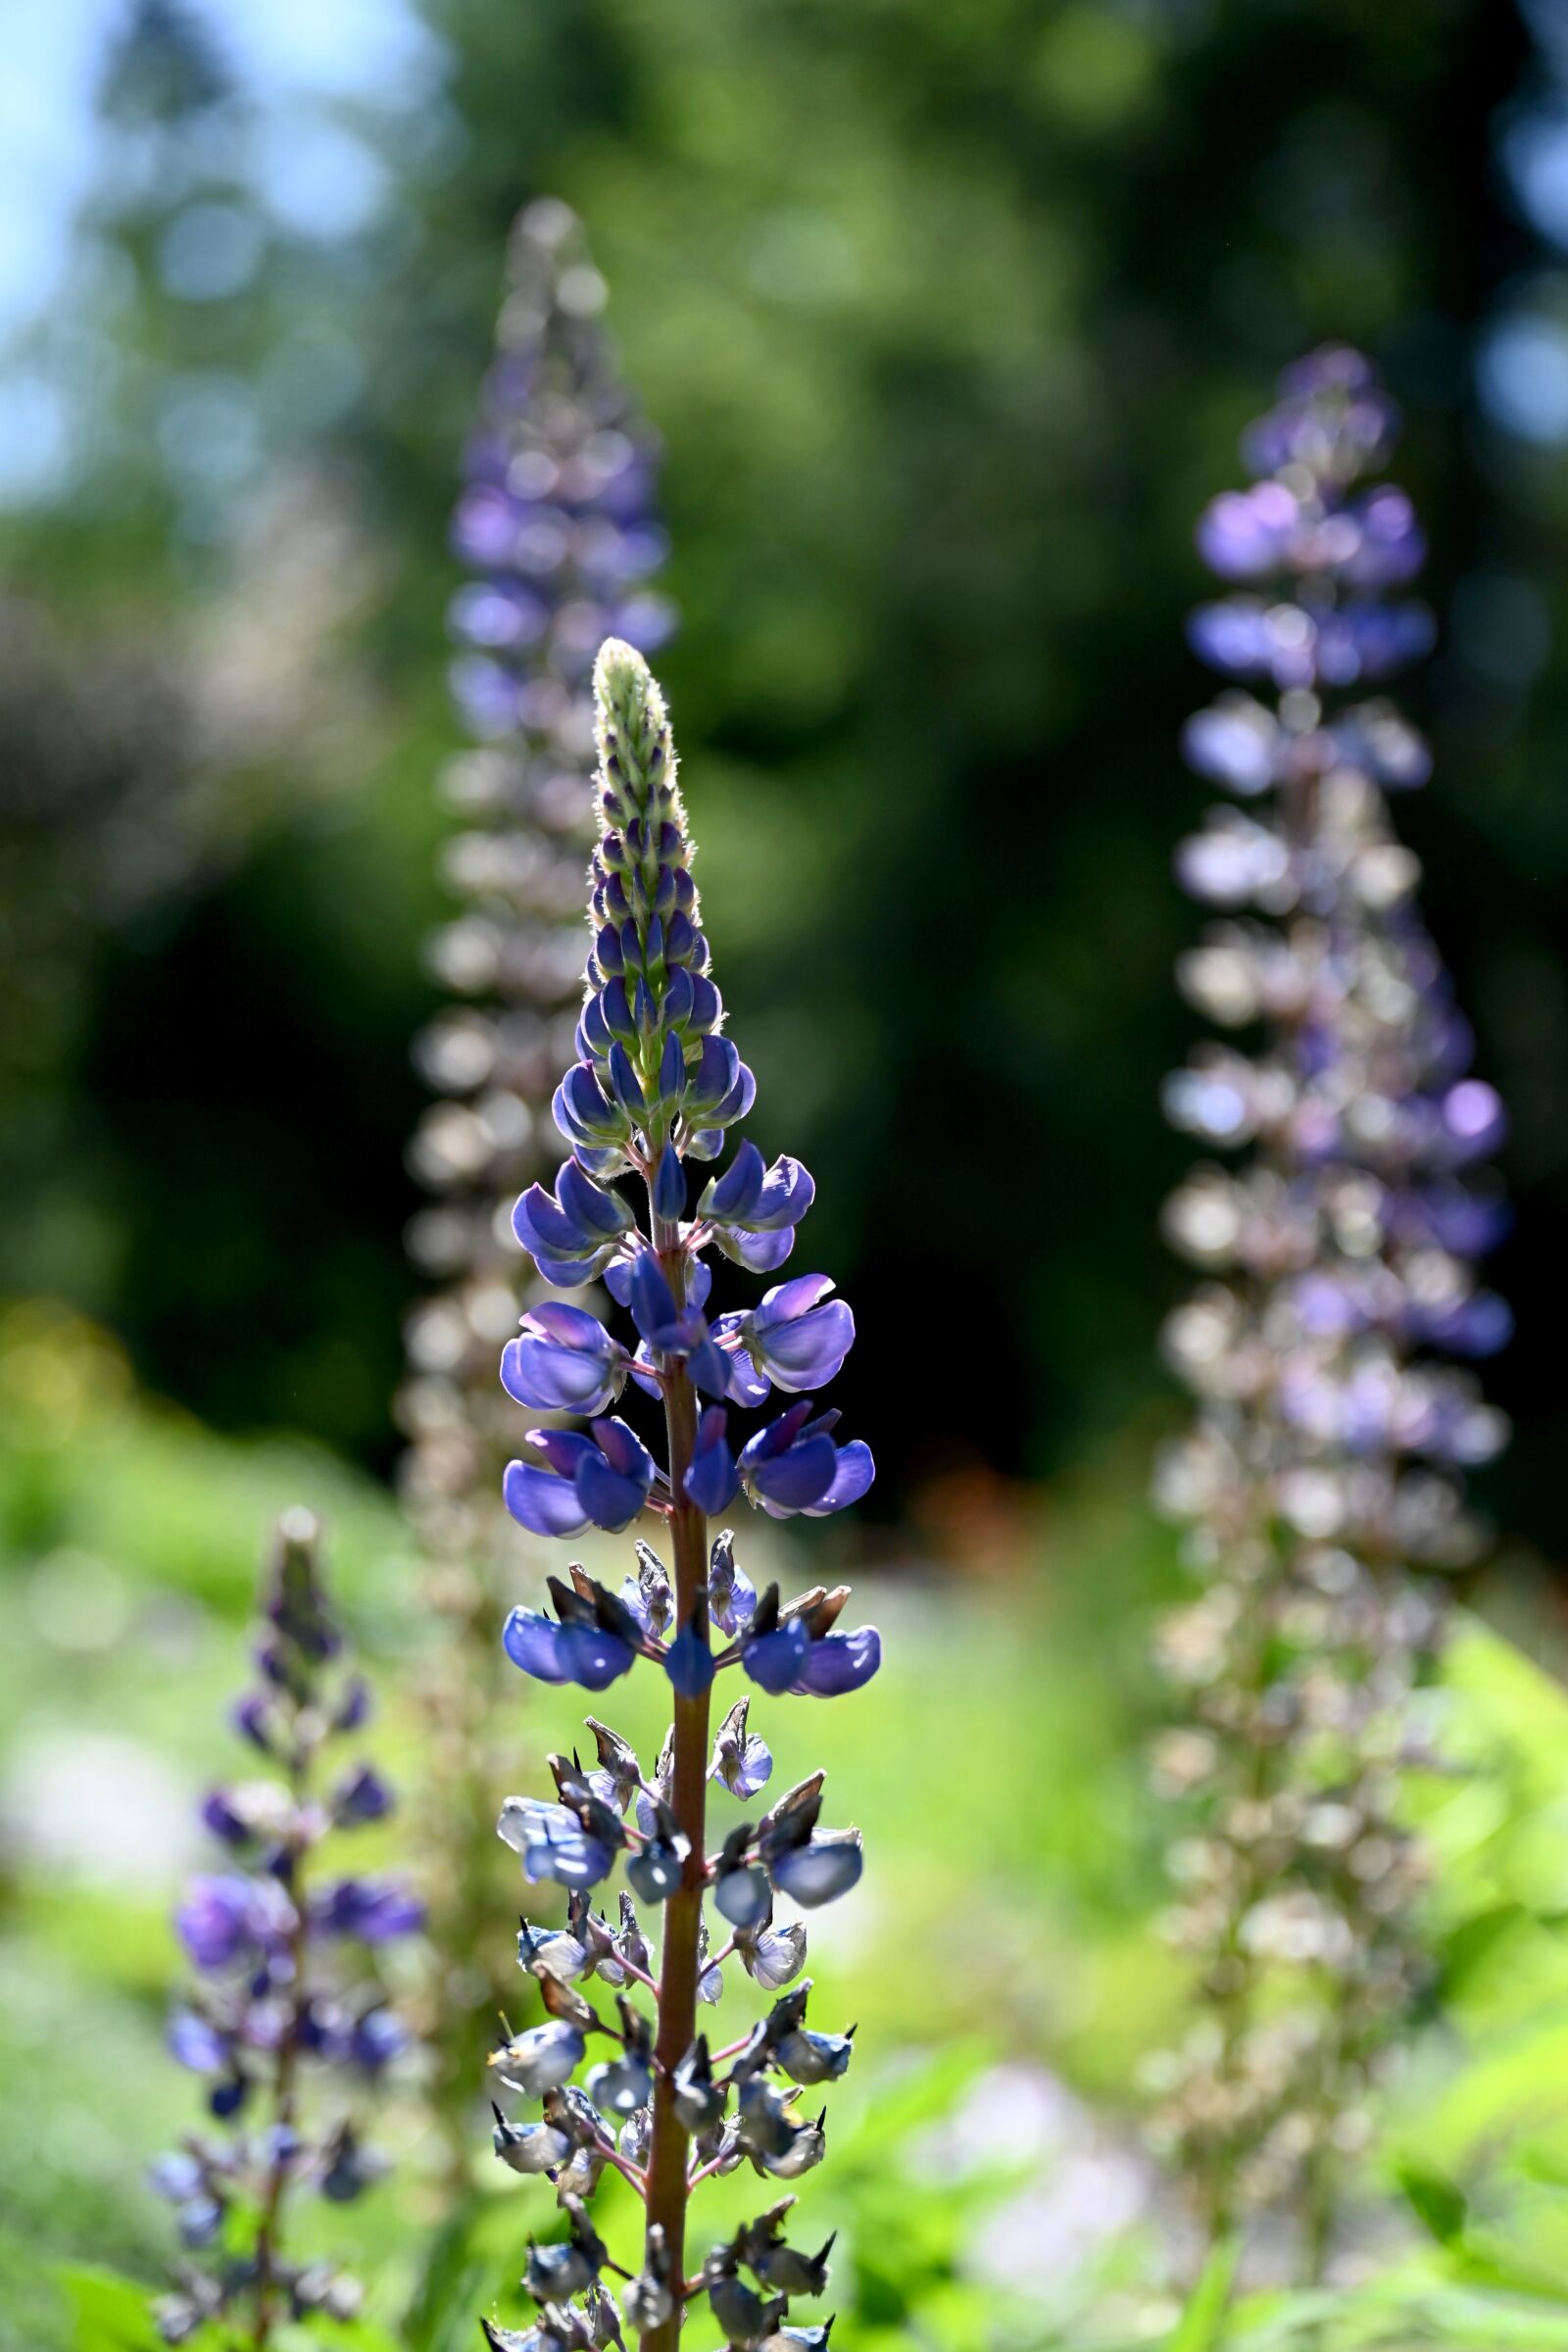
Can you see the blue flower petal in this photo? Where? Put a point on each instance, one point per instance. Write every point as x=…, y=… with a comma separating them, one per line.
x=545, y=1505
x=840, y=1663
x=774, y=1661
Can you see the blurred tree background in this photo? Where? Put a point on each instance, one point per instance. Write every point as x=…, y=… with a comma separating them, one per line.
x=950, y=318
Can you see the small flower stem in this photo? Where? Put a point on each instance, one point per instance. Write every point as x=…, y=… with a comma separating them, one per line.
x=284, y=2096
x=668, y=2185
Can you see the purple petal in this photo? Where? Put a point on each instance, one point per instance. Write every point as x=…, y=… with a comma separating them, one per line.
x=805, y=1353
x=594, y=1657
x=609, y=1500
x=625, y=1451
x=195, y=2043
x=851, y=1480
x=689, y=1663
x=533, y=1642
x=776, y=1436
x=800, y=1477
x=788, y=1300
x=540, y=1224
x=774, y=1661
x=788, y=1190
x=555, y=1380
x=732, y=1197
x=562, y=1448
x=596, y=1208
x=712, y=1478
x=542, y=1503
x=840, y=1663
x=650, y=1296
x=760, y=1252
x=820, y=1871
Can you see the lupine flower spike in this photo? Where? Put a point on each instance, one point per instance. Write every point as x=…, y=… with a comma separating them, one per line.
x=1339, y=1272
x=656, y=1091
x=556, y=531
x=288, y=1994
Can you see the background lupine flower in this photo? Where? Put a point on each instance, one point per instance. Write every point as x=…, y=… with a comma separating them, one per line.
x=1339, y=1263
x=288, y=1990
x=655, y=1087
x=555, y=530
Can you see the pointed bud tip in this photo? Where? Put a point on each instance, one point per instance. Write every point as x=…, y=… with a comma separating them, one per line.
x=622, y=678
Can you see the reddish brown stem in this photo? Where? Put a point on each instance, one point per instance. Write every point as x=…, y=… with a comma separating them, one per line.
x=668, y=2188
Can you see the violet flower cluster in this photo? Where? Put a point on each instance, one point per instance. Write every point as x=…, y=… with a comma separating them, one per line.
x=287, y=2021
x=555, y=531
x=1339, y=1263
x=555, y=526
x=655, y=1089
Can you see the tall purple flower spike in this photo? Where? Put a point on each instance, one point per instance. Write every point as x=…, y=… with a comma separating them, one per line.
x=288, y=1996
x=556, y=531
x=655, y=1087
x=556, y=535
x=1338, y=1257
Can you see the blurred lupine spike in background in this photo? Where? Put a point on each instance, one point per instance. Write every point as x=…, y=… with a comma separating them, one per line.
x=1323, y=1478
x=658, y=1085
x=555, y=527
x=288, y=1994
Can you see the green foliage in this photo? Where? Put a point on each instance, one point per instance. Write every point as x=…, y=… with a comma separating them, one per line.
x=110, y=2314
x=1202, y=2324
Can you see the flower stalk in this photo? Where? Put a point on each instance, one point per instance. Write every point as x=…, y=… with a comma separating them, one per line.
x=288, y=1985
x=657, y=1087
x=1321, y=1484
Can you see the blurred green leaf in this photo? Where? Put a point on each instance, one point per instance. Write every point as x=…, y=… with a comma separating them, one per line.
x=1202, y=2326
x=112, y=2314
x=1435, y=2200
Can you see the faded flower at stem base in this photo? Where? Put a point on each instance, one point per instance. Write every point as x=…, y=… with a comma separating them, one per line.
x=1338, y=1256
x=288, y=2021
x=656, y=1091
x=556, y=534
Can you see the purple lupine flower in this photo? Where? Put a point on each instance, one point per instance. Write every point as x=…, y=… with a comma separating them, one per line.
x=564, y=1362
x=288, y=1982
x=1338, y=1265
x=742, y=1760
x=573, y=1232
x=655, y=1084
x=195, y=2042
x=791, y=1465
x=221, y=1919
x=592, y=1641
x=362, y=1796
x=375, y=1910
x=751, y=1211
x=799, y=1335
x=604, y=1481
x=731, y=1594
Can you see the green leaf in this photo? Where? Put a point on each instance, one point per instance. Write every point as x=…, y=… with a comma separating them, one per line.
x=1436, y=2202
x=344, y=2335
x=1475, y=1941
x=112, y=2313
x=456, y=2281
x=1200, y=2327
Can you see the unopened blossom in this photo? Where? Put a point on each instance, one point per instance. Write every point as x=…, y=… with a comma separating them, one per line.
x=656, y=1086
x=287, y=2021
x=1338, y=1250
